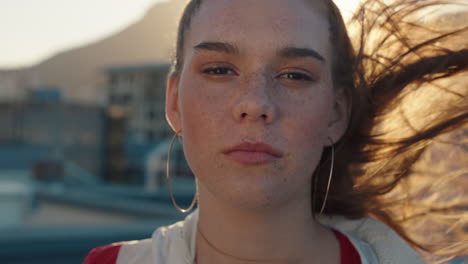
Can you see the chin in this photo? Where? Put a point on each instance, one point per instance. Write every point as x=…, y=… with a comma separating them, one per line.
x=256, y=198
x=253, y=189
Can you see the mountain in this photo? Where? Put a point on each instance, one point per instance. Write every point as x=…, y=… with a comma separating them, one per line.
x=79, y=71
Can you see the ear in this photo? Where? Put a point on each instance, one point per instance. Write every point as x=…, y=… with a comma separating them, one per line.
x=172, y=104
x=340, y=116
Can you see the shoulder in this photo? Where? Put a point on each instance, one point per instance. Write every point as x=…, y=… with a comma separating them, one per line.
x=128, y=252
x=133, y=252
x=176, y=243
x=103, y=255
x=375, y=242
x=169, y=244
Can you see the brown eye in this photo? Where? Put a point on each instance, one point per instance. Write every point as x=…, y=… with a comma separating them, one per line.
x=296, y=76
x=218, y=71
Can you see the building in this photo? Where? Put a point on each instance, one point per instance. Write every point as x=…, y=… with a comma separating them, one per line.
x=140, y=92
x=137, y=123
x=70, y=132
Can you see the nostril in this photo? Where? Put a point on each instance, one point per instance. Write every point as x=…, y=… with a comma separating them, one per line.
x=244, y=115
x=264, y=116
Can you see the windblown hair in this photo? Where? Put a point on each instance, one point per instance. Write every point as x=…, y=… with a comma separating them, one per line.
x=391, y=60
x=398, y=60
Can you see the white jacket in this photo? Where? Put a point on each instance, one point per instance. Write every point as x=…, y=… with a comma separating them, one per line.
x=175, y=244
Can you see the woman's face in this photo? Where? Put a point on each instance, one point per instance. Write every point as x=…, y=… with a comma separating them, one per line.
x=256, y=72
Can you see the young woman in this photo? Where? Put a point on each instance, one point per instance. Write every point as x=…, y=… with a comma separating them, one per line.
x=276, y=113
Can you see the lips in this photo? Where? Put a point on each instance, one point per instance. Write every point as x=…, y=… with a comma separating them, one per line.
x=253, y=153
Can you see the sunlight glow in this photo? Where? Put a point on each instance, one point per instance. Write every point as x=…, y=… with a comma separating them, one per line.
x=347, y=7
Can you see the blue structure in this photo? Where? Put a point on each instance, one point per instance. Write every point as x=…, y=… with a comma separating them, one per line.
x=135, y=154
x=63, y=245
x=17, y=156
x=46, y=95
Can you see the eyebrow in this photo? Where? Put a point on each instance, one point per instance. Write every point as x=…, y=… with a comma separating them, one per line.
x=223, y=47
x=293, y=52
x=287, y=52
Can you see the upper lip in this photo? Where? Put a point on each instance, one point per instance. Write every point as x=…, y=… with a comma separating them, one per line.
x=254, y=147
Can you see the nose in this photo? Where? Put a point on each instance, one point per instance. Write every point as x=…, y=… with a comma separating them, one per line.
x=255, y=103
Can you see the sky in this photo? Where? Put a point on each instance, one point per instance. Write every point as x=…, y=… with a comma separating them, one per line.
x=32, y=30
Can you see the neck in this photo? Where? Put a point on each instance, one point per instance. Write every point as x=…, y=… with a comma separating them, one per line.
x=285, y=235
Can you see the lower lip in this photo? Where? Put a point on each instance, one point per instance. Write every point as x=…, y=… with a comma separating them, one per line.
x=251, y=157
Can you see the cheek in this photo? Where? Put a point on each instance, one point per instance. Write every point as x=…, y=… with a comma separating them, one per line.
x=308, y=117
x=204, y=107
x=305, y=125
x=196, y=111
x=202, y=119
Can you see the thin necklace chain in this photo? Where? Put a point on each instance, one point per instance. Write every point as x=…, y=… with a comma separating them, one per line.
x=229, y=255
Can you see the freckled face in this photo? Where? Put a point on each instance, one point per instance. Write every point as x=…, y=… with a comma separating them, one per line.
x=255, y=71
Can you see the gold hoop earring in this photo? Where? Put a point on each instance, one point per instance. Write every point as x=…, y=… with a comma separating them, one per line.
x=329, y=178
x=168, y=181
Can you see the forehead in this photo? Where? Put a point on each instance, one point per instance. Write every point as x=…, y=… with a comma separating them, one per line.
x=260, y=24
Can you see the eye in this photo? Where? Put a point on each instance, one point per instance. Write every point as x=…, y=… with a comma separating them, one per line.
x=296, y=76
x=218, y=71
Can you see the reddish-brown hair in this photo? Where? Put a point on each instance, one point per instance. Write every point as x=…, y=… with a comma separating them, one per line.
x=384, y=67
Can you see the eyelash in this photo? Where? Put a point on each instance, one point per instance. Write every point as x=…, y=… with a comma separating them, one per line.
x=294, y=76
x=218, y=71
x=297, y=76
